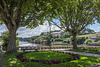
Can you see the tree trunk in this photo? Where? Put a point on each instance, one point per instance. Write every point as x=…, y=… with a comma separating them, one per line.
x=12, y=41
x=74, y=41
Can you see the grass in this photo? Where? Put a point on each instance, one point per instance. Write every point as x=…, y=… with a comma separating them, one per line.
x=59, y=42
x=89, y=50
x=88, y=35
x=10, y=60
x=46, y=55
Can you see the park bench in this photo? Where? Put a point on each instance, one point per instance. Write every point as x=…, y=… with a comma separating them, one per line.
x=27, y=48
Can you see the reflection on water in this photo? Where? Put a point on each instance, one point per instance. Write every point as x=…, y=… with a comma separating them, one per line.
x=25, y=44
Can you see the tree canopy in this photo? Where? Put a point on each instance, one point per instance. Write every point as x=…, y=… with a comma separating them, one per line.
x=17, y=13
x=73, y=15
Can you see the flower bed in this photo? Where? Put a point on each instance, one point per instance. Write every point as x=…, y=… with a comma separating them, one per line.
x=50, y=62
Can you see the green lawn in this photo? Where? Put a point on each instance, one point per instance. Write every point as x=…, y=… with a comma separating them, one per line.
x=89, y=50
x=50, y=55
x=10, y=60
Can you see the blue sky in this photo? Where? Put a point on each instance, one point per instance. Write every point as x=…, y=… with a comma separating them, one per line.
x=95, y=27
x=27, y=32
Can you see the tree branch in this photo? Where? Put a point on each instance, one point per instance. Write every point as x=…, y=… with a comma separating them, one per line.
x=16, y=11
x=56, y=25
x=83, y=27
x=5, y=7
x=62, y=22
x=12, y=8
x=1, y=8
x=3, y=17
x=27, y=21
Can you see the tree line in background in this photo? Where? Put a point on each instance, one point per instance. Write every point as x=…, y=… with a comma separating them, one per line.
x=69, y=15
x=66, y=39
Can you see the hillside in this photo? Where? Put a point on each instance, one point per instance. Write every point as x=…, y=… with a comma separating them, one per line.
x=90, y=35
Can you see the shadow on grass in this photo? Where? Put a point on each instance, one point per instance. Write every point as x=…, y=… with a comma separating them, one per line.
x=10, y=60
x=46, y=55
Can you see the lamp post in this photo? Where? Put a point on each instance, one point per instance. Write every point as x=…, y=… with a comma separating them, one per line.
x=50, y=36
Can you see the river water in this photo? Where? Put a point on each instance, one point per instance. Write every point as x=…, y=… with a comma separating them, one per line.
x=26, y=44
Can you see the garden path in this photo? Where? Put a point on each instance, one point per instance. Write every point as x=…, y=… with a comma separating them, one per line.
x=84, y=53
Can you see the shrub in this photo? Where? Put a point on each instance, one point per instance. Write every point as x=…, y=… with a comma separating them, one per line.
x=57, y=39
x=81, y=40
x=98, y=41
x=64, y=41
x=17, y=42
x=66, y=35
x=44, y=39
x=86, y=37
x=68, y=41
x=88, y=41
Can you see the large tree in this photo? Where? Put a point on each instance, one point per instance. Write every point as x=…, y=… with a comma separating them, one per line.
x=16, y=13
x=73, y=16
x=96, y=9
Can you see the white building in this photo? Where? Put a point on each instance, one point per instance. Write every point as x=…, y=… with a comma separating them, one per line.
x=55, y=33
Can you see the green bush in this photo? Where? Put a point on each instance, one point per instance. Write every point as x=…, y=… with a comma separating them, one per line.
x=68, y=41
x=86, y=37
x=64, y=41
x=81, y=40
x=17, y=43
x=57, y=39
x=66, y=35
x=44, y=39
x=5, y=40
x=88, y=41
x=98, y=41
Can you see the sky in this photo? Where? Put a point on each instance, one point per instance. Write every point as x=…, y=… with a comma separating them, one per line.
x=27, y=32
x=95, y=27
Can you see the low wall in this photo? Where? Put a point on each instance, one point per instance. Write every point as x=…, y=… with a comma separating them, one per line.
x=55, y=47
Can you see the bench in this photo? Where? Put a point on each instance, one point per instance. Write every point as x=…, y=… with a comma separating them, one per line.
x=27, y=48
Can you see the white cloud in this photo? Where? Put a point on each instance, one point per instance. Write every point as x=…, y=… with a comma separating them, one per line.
x=2, y=28
x=98, y=27
x=27, y=32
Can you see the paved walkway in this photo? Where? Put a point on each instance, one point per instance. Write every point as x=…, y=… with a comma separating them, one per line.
x=84, y=53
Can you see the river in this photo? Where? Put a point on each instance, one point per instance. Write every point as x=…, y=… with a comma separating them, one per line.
x=26, y=44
